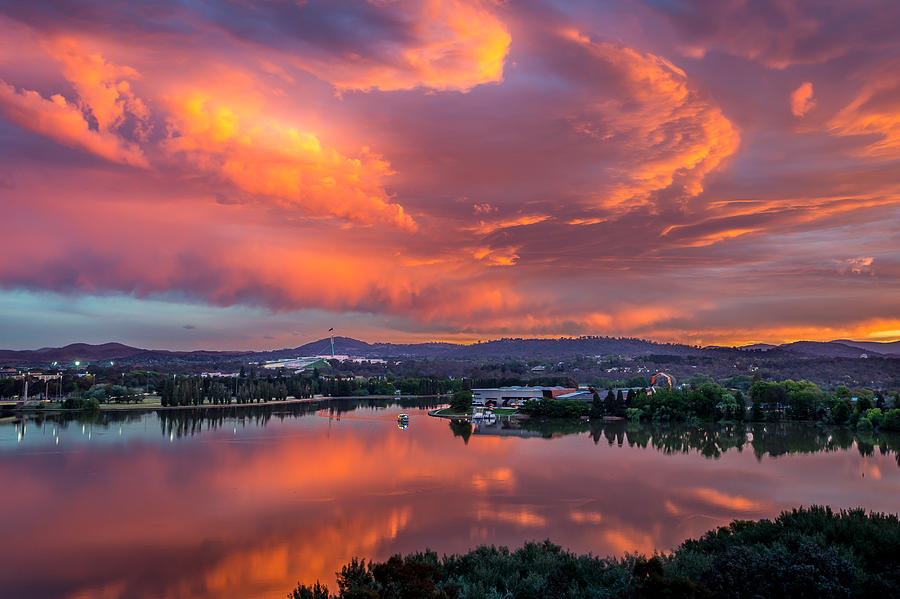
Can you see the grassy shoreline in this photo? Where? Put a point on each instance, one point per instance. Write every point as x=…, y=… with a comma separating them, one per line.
x=455, y=414
x=155, y=405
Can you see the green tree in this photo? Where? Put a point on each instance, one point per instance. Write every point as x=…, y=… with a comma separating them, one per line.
x=875, y=416
x=354, y=576
x=840, y=411
x=461, y=401
x=609, y=404
x=892, y=420
x=597, y=410
x=316, y=591
x=619, y=406
x=634, y=415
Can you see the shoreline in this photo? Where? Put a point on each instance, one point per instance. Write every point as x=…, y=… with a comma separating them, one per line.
x=147, y=408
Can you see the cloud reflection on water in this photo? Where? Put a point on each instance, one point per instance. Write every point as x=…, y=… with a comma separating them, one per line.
x=250, y=511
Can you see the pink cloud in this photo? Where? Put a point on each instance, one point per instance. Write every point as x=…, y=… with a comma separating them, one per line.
x=65, y=123
x=670, y=134
x=802, y=99
x=453, y=45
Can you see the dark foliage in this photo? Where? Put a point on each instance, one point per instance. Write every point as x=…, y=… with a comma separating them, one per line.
x=805, y=553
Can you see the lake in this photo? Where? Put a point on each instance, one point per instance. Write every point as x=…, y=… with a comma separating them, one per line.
x=246, y=502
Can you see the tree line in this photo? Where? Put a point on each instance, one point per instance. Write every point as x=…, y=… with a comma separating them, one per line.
x=709, y=401
x=182, y=390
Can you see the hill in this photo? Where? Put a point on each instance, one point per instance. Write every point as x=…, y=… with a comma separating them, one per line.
x=498, y=349
x=889, y=348
x=107, y=352
x=824, y=349
x=510, y=348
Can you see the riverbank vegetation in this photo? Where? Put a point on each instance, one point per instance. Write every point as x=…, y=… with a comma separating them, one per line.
x=806, y=552
x=712, y=440
x=764, y=402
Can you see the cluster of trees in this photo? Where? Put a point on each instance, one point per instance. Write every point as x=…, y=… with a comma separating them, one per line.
x=68, y=384
x=249, y=388
x=764, y=402
x=807, y=552
x=613, y=403
x=195, y=391
x=81, y=403
x=115, y=393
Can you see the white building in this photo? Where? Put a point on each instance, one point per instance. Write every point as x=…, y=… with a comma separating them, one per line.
x=515, y=396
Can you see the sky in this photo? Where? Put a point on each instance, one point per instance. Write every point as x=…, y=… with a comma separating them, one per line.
x=234, y=175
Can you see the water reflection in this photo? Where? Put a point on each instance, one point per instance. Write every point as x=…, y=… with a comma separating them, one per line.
x=710, y=440
x=212, y=503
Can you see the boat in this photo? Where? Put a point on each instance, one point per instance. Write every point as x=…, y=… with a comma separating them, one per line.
x=403, y=421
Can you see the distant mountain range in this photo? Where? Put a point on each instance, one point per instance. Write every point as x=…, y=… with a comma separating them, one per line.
x=496, y=349
x=841, y=348
x=106, y=352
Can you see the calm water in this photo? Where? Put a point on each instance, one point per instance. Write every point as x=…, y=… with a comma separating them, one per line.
x=184, y=505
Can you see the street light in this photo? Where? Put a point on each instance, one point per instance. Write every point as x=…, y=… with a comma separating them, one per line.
x=77, y=363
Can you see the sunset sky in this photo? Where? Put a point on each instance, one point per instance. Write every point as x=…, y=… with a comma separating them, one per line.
x=199, y=174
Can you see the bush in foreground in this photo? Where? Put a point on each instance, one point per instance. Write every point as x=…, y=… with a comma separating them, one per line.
x=812, y=552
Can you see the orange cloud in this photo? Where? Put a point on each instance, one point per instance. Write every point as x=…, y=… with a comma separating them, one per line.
x=673, y=136
x=453, y=45
x=103, y=88
x=265, y=156
x=802, y=99
x=484, y=227
x=724, y=500
x=496, y=257
x=65, y=123
x=874, y=112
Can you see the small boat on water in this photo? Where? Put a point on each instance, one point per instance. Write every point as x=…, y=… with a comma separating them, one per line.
x=403, y=421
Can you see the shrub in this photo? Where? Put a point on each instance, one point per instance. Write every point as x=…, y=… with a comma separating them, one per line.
x=892, y=420
x=875, y=416
x=634, y=414
x=864, y=425
x=80, y=403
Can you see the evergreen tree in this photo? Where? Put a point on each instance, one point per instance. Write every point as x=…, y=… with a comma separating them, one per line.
x=620, y=404
x=596, y=407
x=609, y=404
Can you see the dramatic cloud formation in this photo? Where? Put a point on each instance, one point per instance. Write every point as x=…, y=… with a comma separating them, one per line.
x=266, y=157
x=673, y=135
x=64, y=122
x=875, y=113
x=780, y=33
x=459, y=169
x=445, y=45
x=103, y=88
